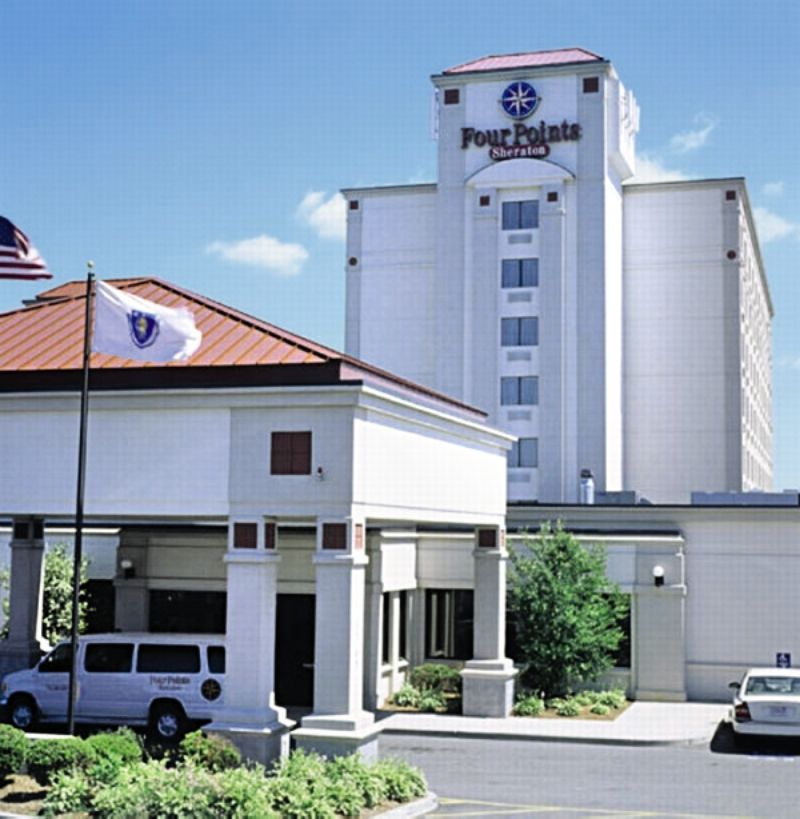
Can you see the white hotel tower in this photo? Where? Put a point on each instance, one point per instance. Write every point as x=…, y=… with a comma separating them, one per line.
x=621, y=329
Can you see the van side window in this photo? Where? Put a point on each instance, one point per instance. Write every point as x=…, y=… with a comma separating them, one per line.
x=216, y=659
x=59, y=659
x=108, y=658
x=168, y=659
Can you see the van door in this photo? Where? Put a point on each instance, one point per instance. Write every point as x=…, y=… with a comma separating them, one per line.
x=171, y=671
x=105, y=682
x=52, y=683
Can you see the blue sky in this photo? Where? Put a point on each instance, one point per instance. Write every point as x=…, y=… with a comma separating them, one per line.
x=204, y=142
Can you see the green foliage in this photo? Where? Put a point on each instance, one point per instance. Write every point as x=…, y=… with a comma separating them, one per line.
x=407, y=697
x=122, y=744
x=585, y=698
x=13, y=750
x=600, y=709
x=436, y=677
x=529, y=705
x=69, y=792
x=612, y=699
x=46, y=757
x=57, y=595
x=209, y=751
x=403, y=782
x=431, y=701
x=564, y=609
x=568, y=708
x=304, y=785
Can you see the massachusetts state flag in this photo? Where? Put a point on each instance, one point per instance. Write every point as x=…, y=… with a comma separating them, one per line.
x=18, y=258
x=129, y=326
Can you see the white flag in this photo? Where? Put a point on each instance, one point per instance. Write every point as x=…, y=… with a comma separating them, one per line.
x=129, y=326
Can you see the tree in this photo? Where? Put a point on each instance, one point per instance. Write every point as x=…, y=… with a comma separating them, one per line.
x=57, y=595
x=564, y=610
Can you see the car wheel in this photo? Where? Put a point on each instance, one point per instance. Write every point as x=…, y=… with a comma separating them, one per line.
x=168, y=721
x=22, y=713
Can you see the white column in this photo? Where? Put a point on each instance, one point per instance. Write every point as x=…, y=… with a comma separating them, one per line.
x=339, y=724
x=24, y=644
x=488, y=679
x=249, y=715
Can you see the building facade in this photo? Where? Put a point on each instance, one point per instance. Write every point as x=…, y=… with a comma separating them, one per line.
x=620, y=329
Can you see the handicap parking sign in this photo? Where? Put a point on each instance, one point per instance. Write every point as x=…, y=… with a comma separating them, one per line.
x=783, y=659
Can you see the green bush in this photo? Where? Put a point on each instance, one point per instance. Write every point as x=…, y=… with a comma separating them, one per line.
x=613, y=699
x=599, y=709
x=403, y=782
x=352, y=770
x=13, y=750
x=69, y=792
x=122, y=744
x=436, y=677
x=568, y=708
x=46, y=757
x=243, y=794
x=209, y=751
x=585, y=698
x=407, y=697
x=432, y=701
x=529, y=705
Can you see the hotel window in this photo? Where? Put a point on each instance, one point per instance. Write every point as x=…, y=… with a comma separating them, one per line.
x=519, y=332
x=290, y=453
x=521, y=215
x=448, y=624
x=519, y=390
x=524, y=454
x=520, y=273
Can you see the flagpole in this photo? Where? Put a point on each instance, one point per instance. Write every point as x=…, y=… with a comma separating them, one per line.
x=78, y=549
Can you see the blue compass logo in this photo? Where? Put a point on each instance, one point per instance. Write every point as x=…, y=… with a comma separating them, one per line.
x=520, y=100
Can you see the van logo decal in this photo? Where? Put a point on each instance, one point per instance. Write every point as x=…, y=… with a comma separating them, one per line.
x=211, y=689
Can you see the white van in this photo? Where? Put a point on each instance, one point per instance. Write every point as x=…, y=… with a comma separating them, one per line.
x=164, y=681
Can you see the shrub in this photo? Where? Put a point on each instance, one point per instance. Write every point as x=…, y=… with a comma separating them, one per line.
x=122, y=744
x=403, y=783
x=13, y=750
x=351, y=769
x=612, y=699
x=431, y=701
x=568, y=708
x=407, y=697
x=529, y=706
x=436, y=677
x=600, y=709
x=209, y=751
x=585, y=698
x=244, y=794
x=69, y=792
x=46, y=757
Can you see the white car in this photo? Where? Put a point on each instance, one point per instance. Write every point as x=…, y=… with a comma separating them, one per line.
x=767, y=703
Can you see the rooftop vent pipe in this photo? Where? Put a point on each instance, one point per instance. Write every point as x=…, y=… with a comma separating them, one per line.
x=587, y=487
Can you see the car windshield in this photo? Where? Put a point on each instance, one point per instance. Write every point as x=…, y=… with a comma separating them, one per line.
x=785, y=686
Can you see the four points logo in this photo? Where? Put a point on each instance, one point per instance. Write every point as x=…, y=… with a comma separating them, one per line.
x=520, y=100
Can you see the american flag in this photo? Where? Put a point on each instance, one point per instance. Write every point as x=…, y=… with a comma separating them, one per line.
x=18, y=258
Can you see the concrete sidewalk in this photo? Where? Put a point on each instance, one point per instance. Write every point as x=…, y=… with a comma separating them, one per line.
x=642, y=723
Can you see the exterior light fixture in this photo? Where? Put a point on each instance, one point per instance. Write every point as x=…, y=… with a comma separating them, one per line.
x=658, y=575
x=320, y=473
x=128, y=570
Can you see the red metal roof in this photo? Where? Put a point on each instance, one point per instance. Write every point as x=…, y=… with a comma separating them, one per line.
x=46, y=336
x=533, y=59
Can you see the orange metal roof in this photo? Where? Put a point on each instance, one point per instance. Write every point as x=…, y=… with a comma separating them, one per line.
x=533, y=59
x=46, y=336
x=230, y=338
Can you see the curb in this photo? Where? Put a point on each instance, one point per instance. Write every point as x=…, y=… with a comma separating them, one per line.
x=574, y=740
x=420, y=807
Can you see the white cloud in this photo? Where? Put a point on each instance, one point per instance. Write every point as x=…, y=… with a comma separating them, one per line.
x=651, y=168
x=692, y=140
x=772, y=189
x=262, y=251
x=771, y=226
x=327, y=216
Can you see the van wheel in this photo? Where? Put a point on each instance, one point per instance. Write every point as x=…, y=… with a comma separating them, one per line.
x=167, y=721
x=23, y=713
